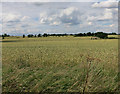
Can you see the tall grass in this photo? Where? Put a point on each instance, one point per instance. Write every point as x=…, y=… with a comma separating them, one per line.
x=60, y=64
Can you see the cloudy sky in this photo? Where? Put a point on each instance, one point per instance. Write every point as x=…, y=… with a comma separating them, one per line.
x=20, y=18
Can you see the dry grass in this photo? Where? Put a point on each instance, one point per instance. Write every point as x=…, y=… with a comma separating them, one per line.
x=62, y=64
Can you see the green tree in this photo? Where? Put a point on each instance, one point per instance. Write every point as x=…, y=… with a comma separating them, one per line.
x=45, y=35
x=23, y=36
x=101, y=35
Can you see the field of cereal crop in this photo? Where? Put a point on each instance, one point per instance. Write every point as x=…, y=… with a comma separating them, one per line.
x=59, y=64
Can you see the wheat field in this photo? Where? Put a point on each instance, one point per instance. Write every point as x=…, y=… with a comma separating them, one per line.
x=59, y=64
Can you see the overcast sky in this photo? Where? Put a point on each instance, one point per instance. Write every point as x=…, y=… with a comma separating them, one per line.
x=61, y=17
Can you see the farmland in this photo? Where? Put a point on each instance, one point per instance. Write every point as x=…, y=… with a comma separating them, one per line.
x=59, y=64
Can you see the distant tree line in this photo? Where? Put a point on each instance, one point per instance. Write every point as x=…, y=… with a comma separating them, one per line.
x=46, y=35
x=5, y=35
x=98, y=34
x=101, y=35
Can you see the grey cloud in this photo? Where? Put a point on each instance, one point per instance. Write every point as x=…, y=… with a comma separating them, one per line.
x=70, y=16
x=39, y=3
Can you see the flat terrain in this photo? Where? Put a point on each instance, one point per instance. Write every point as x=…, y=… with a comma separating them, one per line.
x=60, y=64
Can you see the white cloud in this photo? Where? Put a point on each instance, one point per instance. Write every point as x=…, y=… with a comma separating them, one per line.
x=106, y=4
x=44, y=18
x=90, y=23
x=106, y=15
x=112, y=25
x=49, y=0
x=55, y=23
x=68, y=11
x=25, y=18
x=7, y=17
x=70, y=16
x=10, y=17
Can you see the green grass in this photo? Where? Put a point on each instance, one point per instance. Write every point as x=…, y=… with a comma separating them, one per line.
x=116, y=36
x=60, y=64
